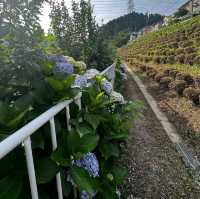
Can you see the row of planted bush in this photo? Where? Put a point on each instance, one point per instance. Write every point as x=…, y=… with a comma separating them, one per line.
x=86, y=154
x=174, y=44
x=169, y=78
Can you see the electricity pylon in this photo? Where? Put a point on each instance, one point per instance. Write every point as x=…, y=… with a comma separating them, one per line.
x=131, y=6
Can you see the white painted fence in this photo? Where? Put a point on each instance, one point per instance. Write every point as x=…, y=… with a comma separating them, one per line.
x=22, y=136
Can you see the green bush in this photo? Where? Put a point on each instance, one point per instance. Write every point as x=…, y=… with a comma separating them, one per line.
x=192, y=94
x=165, y=81
x=180, y=86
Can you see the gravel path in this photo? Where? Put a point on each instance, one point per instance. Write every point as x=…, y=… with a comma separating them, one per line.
x=155, y=169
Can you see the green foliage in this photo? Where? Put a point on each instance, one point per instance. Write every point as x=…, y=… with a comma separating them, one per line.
x=10, y=187
x=82, y=179
x=29, y=87
x=78, y=34
x=117, y=32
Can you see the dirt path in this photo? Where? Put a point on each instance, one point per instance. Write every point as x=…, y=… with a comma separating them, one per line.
x=155, y=169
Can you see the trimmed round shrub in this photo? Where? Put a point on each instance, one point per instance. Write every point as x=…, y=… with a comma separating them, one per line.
x=192, y=94
x=185, y=76
x=165, y=81
x=173, y=73
x=180, y=86
x=189, y=59
x=166, y=71
x=197, y=60
x=156, y=60
x=171, y=59
x=189, y=50
x=196, y=81
x=159, y=76
x=180, y=58
x=143, y=68
x=188, y=78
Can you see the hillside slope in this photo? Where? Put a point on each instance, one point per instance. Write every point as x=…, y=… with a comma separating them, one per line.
x=175, y=44
x=120, y=28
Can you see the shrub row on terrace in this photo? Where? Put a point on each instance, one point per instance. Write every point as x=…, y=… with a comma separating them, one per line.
x=175, y=44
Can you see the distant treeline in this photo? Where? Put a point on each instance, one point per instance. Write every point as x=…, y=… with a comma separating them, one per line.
x=122, y=26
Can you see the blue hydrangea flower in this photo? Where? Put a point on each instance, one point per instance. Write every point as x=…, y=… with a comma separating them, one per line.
x=57, y=58
x=106, y=86
x=123, y=76
x=62, y=67
x=85, y=195
x=91, y=73
x=123, y=68
x=90, y=163
x=80, y=82
x=117, y=97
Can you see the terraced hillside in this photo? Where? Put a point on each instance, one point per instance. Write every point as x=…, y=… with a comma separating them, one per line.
x=175, y=44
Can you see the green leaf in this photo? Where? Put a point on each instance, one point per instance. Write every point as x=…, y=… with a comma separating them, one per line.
x=13, y=123
x=117, y=135
x=67, y=82
x=46, y=170
x=66, y=186
x=119, y=174
x=84, y=129
x=10, y=187
x=109, y=149
x=93, y=119
x=60, y=157
x=82, y=179
x=11, y=116
x=79, y=146
x=55, y=84
x=88, y=143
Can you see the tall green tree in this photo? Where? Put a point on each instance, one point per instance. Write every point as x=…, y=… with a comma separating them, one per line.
x=20, y=35
x=79, y=33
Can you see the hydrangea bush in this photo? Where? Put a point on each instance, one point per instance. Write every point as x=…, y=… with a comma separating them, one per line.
x=86, y=154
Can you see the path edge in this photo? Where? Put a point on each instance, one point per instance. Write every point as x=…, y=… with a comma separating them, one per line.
x=189, y=159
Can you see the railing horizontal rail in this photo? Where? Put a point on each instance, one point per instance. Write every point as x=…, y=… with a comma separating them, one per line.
x=19, y=136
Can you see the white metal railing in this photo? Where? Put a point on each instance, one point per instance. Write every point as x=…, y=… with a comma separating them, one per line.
x=22, y=136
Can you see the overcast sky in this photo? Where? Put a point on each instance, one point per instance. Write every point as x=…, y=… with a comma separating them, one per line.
x=106, y=10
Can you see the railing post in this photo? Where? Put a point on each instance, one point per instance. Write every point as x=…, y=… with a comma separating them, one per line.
x=30, y=167
x=68, y=118
x=54, y=146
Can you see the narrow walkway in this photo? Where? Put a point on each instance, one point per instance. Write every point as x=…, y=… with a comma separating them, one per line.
x=155, y=169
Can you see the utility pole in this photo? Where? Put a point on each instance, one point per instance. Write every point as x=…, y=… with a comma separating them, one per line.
x=192, y=1
x=131, y=6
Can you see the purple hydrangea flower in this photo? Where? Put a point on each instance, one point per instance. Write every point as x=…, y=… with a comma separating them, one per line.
x=62, y=67
x=80, y=82
x=57, y=58
x=106, y=86
x=85, y=195
x=91, y=73
x=123, y=76
x=117, y=97
x=90, y=163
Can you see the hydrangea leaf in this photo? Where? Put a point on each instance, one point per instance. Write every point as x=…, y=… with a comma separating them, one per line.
x=109, y=149
x=10, y=187
x=93, y=119
x=82, y=179
x=46, y=170
x=119, y=174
